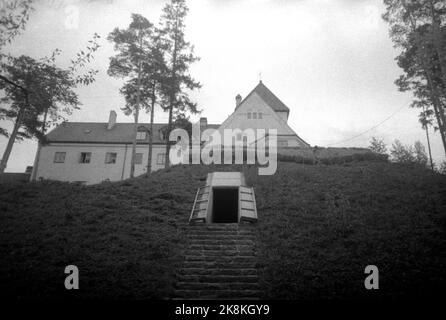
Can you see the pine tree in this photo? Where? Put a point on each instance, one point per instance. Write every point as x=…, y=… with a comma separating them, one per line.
x=180, y=55
x=141, y=61
x=418, y=30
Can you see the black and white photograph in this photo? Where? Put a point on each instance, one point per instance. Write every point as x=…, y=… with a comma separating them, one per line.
x=222, y=158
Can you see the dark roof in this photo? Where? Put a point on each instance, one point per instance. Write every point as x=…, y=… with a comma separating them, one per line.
x=212, y=126
x=269, y=97
x=97, y=132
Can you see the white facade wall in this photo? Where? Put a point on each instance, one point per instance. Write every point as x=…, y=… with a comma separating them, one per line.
x=97, y=170
x=270, y=120
x=283, y=115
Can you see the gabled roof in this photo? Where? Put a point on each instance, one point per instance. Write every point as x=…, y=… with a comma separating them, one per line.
x=97, y=132
x=269, y=98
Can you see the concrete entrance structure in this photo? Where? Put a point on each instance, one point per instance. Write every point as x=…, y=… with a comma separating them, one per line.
x=224, y=199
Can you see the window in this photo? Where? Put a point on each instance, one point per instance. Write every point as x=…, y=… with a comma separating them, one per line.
x=161, y=135
x=138, y=158
x=239, y=136
x=255, y=115
x=110, y=157
x=141, y=135
x=59, y=157
x=85, y=157
x=161, y=158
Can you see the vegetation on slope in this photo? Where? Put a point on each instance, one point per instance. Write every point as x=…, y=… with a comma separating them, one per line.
x=125, y=237
x=319, y=226
x=322, y=225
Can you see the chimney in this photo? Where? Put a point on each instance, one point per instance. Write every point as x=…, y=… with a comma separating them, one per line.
x=203, y=123
x=238, y=99
x=111, y=120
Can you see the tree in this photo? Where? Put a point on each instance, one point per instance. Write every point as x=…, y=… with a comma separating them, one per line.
x=13, y=17
x=409, y=155
x=425, y=122
x=442, y=167
x=378, y=146
x=180, y=55
x=35, y=89
x=420, y=154
x=37, y=93
x=141, y=61
x=401, y=153
x=418, y=29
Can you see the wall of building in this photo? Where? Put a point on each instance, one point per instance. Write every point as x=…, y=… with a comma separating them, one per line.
x=283, y=115
x=270, y=120
x=97, y=170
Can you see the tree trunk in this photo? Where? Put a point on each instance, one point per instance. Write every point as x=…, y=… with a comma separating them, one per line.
x=171, y=102
x=152, y=112
x=439, y=112
x=135, y=128
x=429, y=148
x=169, y=128
x=44, y=121
x=428, y=143
x=438, y=108
x=11, y=140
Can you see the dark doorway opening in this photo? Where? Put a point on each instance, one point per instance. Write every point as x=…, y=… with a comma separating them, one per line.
x=225, y=205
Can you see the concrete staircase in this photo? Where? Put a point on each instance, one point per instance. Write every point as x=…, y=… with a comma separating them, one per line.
x=220, y=263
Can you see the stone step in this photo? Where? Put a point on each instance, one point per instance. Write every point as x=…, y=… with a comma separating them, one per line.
x=219, y=271
x=219, y=225
x=231, y=232
x=219, y=229
x=219, y=237
x=221, y=252
x=234, y=259
x=213, y=247
x=218, y=278
x=217, y=286
x=219, y=264
x=218, y=294
x=205, y=231
x=220, y=242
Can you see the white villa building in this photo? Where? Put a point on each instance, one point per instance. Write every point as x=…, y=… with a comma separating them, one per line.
x=92, y=152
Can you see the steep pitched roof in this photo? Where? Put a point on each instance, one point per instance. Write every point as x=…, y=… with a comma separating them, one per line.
x=97, y=132
x=269, y=97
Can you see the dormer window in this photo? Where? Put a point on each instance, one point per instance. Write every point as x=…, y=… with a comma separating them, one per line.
x=249, y=115
x=141, y=134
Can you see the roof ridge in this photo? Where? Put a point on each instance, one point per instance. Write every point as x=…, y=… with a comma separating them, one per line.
x=273, y=94
x=261, y=86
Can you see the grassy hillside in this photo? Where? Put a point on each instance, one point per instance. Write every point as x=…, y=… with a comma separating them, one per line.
x=319, y=226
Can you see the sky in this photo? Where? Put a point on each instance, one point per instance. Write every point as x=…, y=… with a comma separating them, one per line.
x=330, y=61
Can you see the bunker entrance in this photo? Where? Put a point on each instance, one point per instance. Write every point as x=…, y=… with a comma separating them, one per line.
x=224, y=199
x=225, y=205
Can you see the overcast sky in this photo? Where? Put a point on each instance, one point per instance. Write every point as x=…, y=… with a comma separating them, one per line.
x=330, y=61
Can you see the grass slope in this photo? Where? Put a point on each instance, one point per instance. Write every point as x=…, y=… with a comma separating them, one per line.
x=319, y=226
